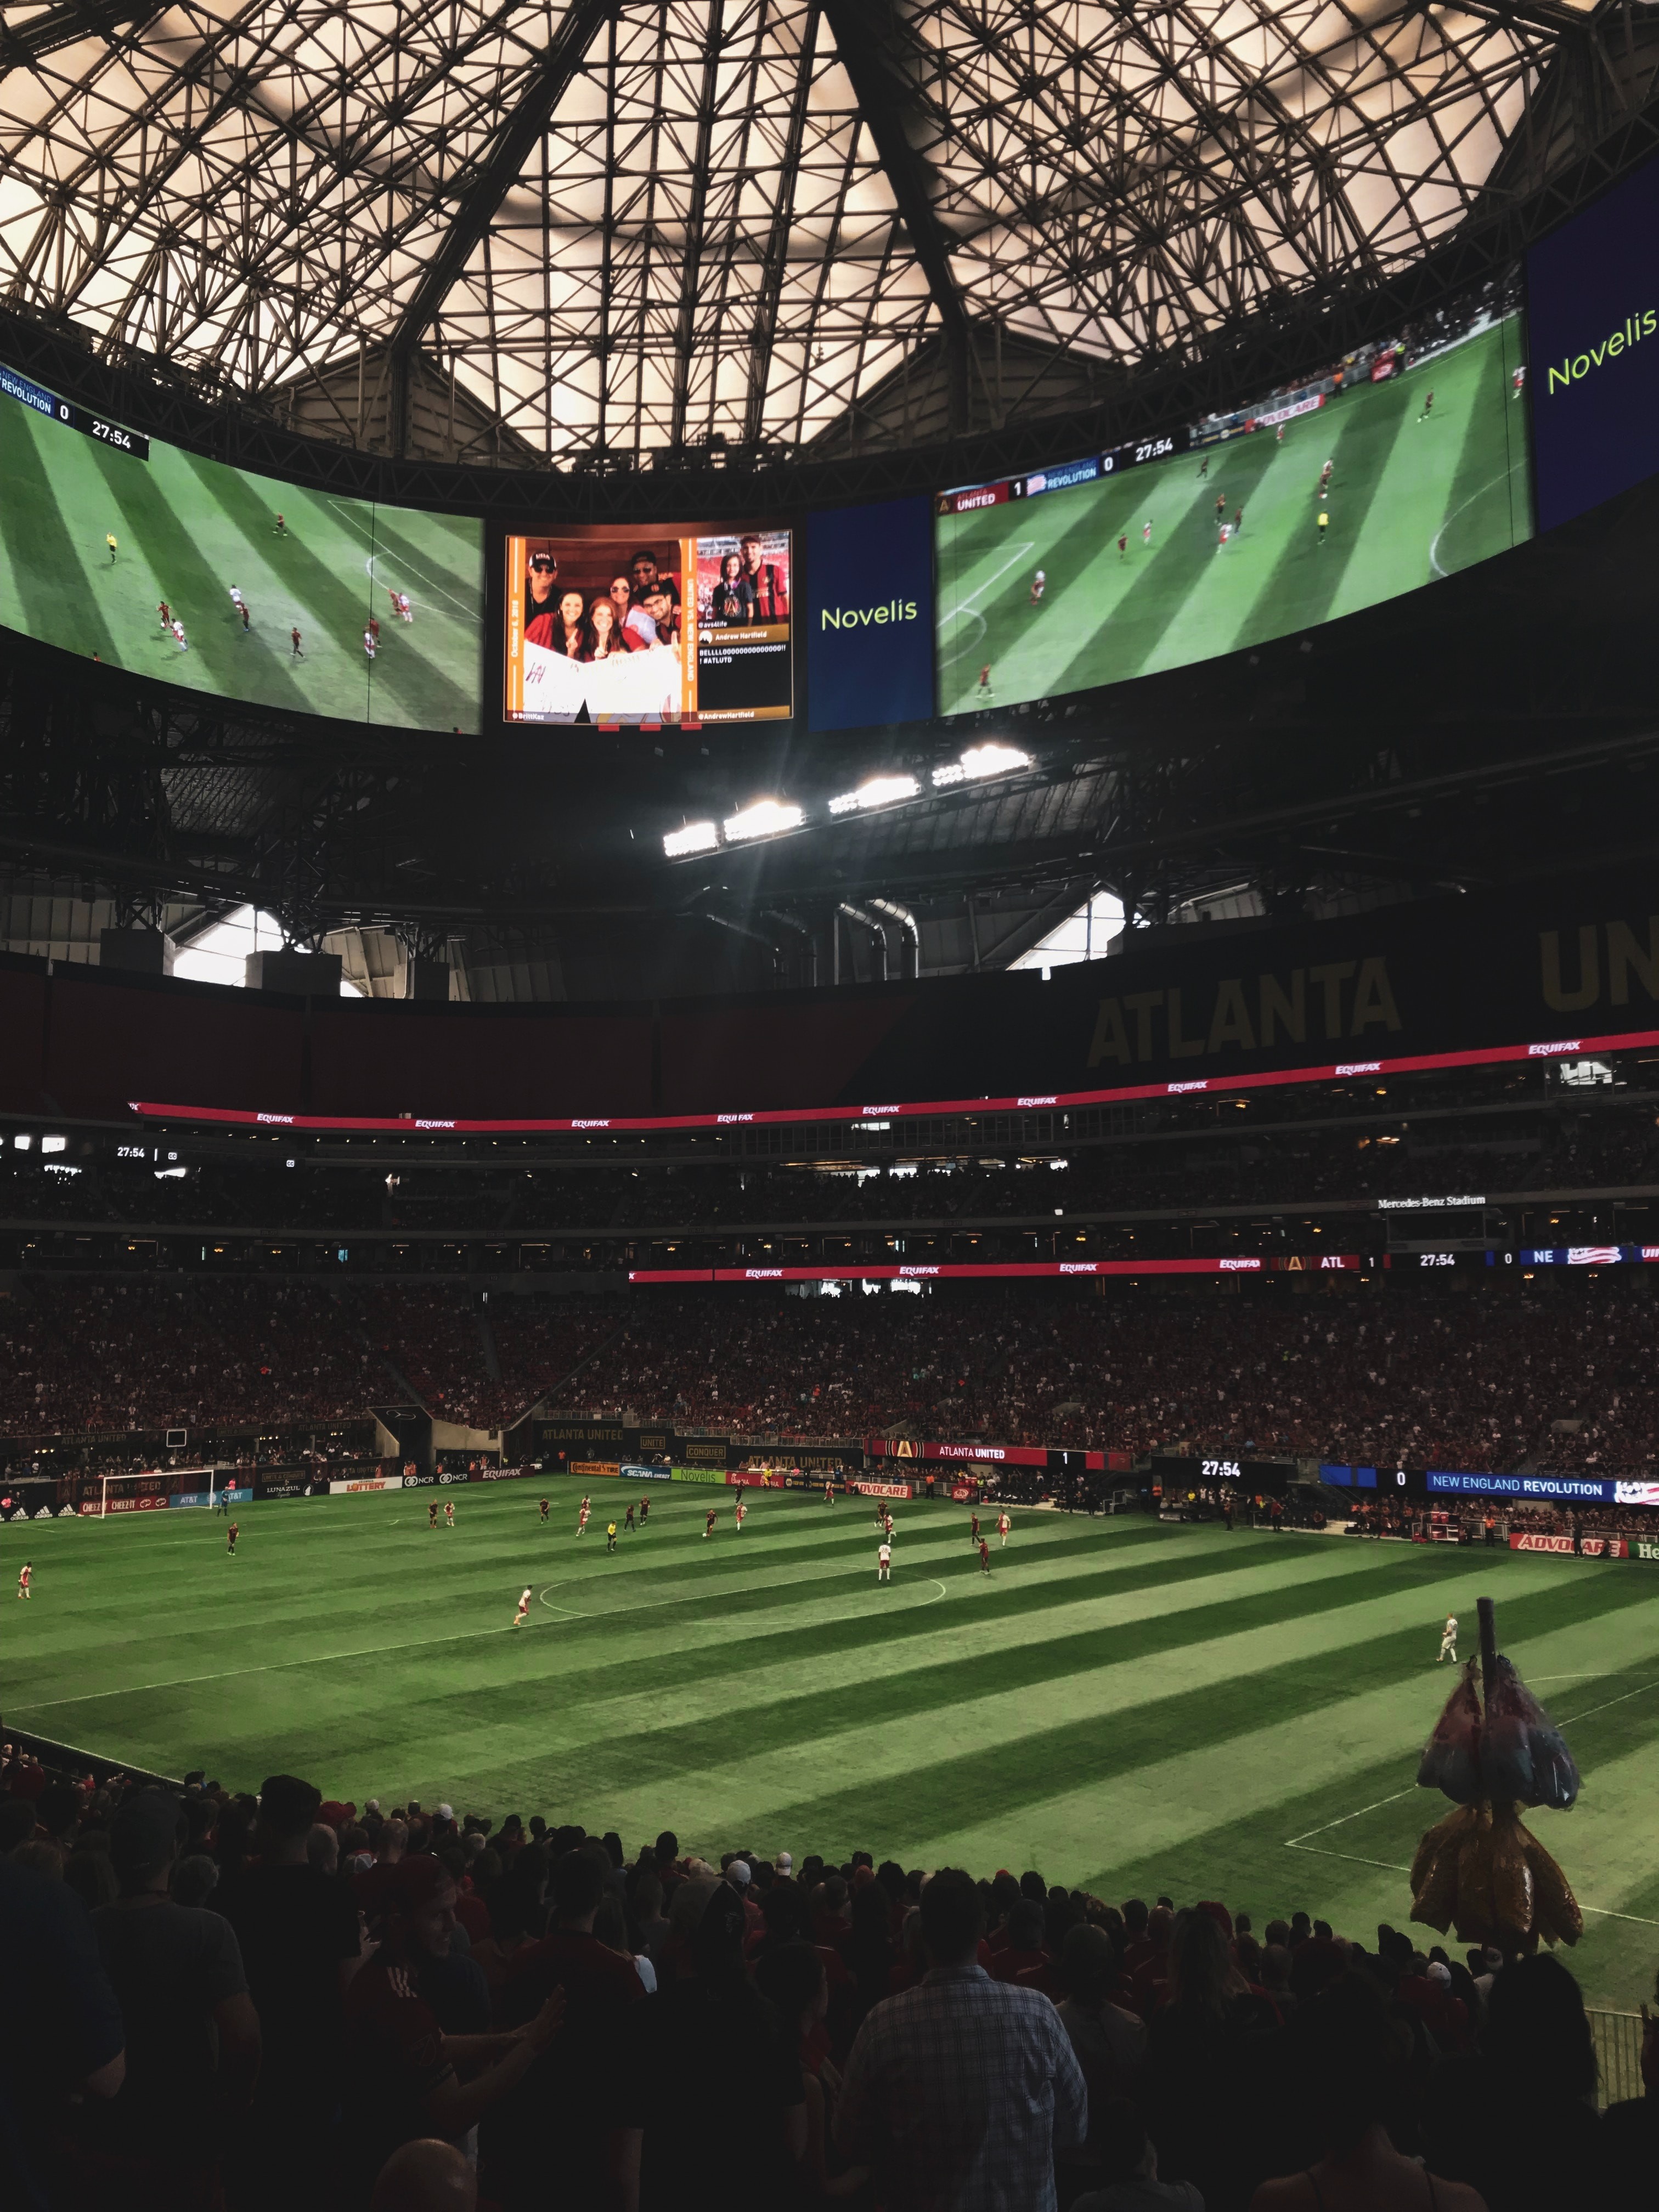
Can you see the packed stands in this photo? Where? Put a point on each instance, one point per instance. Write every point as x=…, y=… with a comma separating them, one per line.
x=1443, y=1381
x=705, y=2022
x=1553, y=1376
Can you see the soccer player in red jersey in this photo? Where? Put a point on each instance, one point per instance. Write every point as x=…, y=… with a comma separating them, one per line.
x=543, y=1502
x=1123, y=547
x=431, y=1512
x=985, y=1555
x=628, y=1517
x=166, y=613
x=25, y=1577
x=645, y=1507
x=230, y=1539
x=973, y=1533
x=709, y=1530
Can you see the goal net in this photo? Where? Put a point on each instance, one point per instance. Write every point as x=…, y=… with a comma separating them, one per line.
x=144, y=1489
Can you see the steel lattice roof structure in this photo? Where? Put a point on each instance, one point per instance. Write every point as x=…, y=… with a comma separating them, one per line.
x=626, y=228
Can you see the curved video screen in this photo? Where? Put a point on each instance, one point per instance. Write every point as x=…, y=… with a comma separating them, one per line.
x=1400, y=464
x=648, y=628
x=123, y=548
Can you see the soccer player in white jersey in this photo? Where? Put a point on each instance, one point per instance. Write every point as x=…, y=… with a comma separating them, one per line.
x=1449, y=1640
x=739, y=1514
x=1004, y=1524
x=522, y=1613
x=883, y=1561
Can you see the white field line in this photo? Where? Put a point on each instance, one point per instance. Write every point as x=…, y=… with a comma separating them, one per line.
x=349, y=521
x=966, y=606
x=1302, y=1842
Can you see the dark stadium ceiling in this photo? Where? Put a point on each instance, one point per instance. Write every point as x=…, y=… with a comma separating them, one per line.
x=620, y=229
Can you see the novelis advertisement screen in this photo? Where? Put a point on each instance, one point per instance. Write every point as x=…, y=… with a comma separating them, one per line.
x=1593, y=322
x=1394, y=465
x=152, y=559
x=869, y=614
x=650, y=630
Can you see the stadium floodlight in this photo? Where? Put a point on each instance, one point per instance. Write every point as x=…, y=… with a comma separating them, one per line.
x=880, y=791
x=695, y=837
x=764, y=817
x=54, y=1143
x=24, y=1140
x=980, y=761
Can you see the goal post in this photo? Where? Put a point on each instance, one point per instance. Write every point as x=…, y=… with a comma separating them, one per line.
x=147, y=1488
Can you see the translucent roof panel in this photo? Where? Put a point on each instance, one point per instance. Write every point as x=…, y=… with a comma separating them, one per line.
x=626, y=225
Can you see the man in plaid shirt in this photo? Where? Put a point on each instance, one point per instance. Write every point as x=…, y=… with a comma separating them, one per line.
x=958, y=2093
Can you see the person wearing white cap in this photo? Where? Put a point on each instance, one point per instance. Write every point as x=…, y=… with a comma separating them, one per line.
x=737, y=1873
x=785, y=1863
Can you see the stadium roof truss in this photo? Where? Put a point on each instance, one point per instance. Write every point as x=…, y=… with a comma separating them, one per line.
x=633, y=229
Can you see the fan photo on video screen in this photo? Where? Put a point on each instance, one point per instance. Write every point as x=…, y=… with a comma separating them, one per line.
x=742, y=625
x=595, y=629
x=647, y=630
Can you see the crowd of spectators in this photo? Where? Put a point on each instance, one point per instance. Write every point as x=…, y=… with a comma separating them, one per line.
x=1443, y=1381
x=80, y=1356
x=84, y=1355
x=1431, y=1375
x=218, y=2000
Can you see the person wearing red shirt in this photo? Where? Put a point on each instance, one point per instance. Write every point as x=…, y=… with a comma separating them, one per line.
x=580, y=2107
x=403, y=2074
x=984, y=1556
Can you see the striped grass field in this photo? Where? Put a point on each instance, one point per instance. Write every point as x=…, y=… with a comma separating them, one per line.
x=187, y=528
x=1138, y=1708
x=1410, y=500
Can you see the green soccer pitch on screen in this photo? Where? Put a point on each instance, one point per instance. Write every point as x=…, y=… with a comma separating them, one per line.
x=160, y=561
x=1395, y=466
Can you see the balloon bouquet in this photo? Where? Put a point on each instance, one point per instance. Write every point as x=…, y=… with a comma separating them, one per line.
x=1480, y=1868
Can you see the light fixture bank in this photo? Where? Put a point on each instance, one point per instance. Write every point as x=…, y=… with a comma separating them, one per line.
x=775, y=817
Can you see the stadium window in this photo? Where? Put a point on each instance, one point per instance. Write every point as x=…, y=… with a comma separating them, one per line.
x=220, y=954
x=1082, y=935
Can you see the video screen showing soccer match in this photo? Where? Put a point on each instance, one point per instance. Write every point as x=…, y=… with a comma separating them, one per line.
x=1401, y=464
x=159, y=560
x=614, y=629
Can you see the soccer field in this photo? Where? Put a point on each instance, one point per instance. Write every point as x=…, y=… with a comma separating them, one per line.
x=186, y=530
x=1134, y=1707
x=1410, y=499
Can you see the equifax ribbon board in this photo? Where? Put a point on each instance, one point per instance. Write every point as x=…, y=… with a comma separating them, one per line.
x=648, y=630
